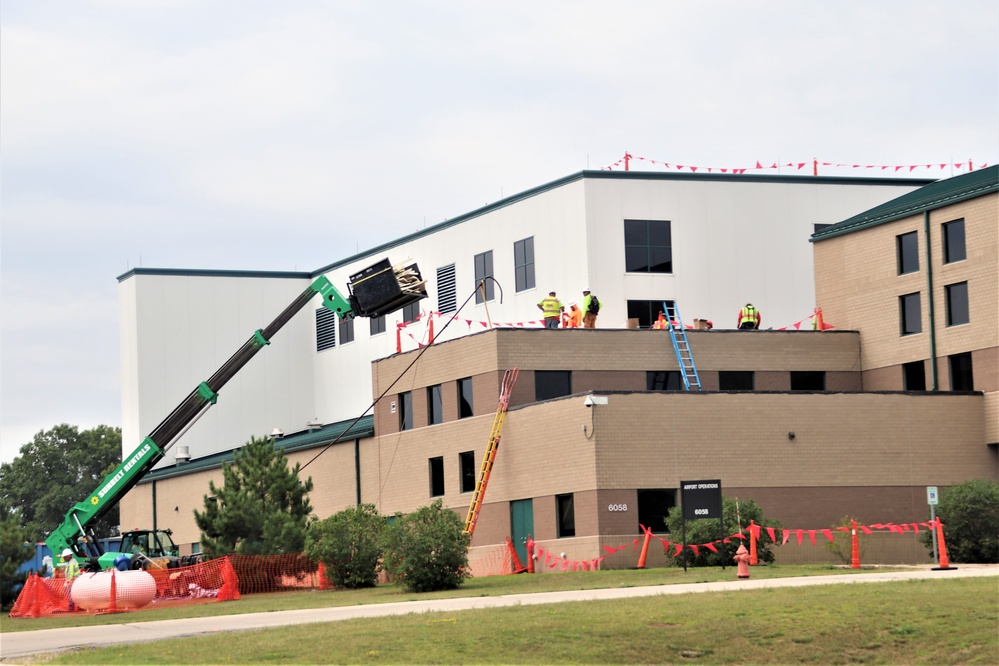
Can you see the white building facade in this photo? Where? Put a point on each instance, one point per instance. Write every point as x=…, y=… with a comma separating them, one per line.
x=709, y=242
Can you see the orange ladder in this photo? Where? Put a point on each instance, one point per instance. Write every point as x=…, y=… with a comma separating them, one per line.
x=506, y=388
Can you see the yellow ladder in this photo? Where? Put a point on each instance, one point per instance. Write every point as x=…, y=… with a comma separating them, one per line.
x=506, y=388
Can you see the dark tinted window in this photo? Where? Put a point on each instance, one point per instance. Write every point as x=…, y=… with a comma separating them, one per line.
x=961, y=378
x=914, y=376
x=808, y=380
x=465, y=398
x=646, y=312
x=953, y=237
x=523, y=263
x=653, y=507
x=484, y=269
x=735, y=380
x=648, y=246
x=406, y=411
x=908, y=253
x=552, y=384
x=435, y=407
x=376, y=325
x=957, y=304
x=436, y=477
x=910, y=314
x=468, y=473
x=663, y=380
x=566, y=515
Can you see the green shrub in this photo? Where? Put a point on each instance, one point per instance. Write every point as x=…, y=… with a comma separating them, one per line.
x=348, y=544
x=427, y=550
x=969, y=512
x=707, y=530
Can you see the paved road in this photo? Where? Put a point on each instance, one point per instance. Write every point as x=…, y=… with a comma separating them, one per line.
x=20, y=644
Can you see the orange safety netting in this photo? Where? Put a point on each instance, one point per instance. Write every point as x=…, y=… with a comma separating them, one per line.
x=117, y=591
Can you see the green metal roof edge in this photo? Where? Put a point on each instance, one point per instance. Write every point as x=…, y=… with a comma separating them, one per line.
x=365, y=427
x=203, y=272
x=617, y=175
x=938, y=194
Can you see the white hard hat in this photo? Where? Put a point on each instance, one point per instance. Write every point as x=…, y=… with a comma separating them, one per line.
x=67, y=553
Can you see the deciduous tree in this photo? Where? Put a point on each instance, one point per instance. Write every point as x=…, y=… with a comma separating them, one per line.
x=57, y=469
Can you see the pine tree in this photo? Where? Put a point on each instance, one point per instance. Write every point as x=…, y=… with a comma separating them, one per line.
x=262, y=507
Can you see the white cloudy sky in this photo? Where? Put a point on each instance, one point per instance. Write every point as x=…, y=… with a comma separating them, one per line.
x=287, y=135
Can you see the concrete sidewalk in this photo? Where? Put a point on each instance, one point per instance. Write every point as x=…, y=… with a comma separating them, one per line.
x=20, y=644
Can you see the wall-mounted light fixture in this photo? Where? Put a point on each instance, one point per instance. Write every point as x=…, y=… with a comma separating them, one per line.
x=790, y=435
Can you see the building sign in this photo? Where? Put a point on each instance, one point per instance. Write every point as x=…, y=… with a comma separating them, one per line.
x=701, y=499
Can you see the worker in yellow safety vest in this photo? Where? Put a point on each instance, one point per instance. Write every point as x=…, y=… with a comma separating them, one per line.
x=552, y=309
x=749, y=317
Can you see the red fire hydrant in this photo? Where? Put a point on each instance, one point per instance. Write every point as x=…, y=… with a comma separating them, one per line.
x=742, y=558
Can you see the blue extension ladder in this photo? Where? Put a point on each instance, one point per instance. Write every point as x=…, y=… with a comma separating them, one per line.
x=678, y=335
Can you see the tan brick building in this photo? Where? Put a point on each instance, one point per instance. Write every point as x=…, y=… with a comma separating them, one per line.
x=814, y=426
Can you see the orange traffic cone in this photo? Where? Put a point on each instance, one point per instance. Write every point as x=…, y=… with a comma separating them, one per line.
x=942, y=548
x=645, y=548
x=854, y=546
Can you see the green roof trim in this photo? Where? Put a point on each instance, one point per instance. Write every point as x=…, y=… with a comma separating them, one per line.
x=309, y=439
x=930, y=197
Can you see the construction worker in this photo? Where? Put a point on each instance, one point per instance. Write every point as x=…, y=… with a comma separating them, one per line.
x=749, y=317
x=661, y=322
x=575, y=316
x=591, y=306
x=71, y=569
x=552, y=309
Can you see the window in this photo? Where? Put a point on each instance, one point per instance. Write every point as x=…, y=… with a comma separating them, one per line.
x=961, y=378
x=325, y=329
x=411, y=312
x=957, y=304
x=466, y=461
x=646, y=312
x=447, y=297
x=908, y=253
x=465, y=398
x=377, y=325
x=911, y=314
x=662, y=380
x=523, y=263
x=808, y=380
x=653, y=507
x=435, y=409
x=648, y=246
x=735, y=380
x=406, y=411
x=953, y=239
x=436, y=476
x=346, y=330
x=484, y=269
x=566, y=516
x=914, y=376
x=552, y=384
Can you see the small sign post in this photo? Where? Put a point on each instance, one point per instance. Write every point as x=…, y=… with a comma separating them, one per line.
x=933, y=498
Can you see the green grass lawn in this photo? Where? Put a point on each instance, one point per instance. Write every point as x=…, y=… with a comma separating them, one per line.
x=926, y=621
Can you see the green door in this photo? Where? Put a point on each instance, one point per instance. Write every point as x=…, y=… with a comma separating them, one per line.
x=521, y=525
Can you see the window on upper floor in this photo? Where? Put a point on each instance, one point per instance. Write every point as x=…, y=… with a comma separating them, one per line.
x=484, y=269
x=325, y=329
x=908, y=252
x=566, y=516
x=447, y=297
x=465, y=402
x=808, y=380
x=953, y=241
x=663, y=380
x=411, y=312
x=735, y=380
x=957, y=304
x=523, y=264
x=646, y=312
x=552, y=384
x=961, y=376
x=435, y=405
x=914, y=376
x=466, y=459
x=376, y=325
x=346, y=330
x=436, y=476
x=406, y=411
x=648, y=246
x=910, y=314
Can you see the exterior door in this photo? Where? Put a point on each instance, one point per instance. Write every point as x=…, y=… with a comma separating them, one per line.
x=521, y=525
